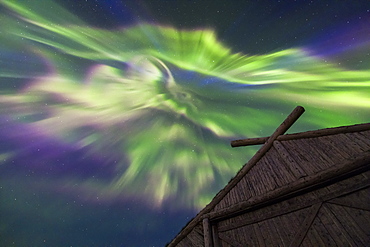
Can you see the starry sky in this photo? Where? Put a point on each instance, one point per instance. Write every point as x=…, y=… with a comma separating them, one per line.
x=116, y=116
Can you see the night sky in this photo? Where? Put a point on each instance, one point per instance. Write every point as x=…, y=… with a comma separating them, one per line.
x=116, y=116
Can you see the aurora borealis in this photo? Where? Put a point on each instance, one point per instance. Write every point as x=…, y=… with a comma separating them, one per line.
x=124, y=132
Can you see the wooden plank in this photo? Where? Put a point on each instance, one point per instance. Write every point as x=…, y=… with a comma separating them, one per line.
x=345, y=218
x=273, y=233
x=296, y=203
x=264, y=182
x=340, y=142
x=313, y=237
x=241, y=236
x=335, y=151
x=231, y=241
x=361, y=217
x=323, y=146
x=359, y=199
x=280, y=227
x=267, y=179
x=291, y=223
x=243, y=188
x=265, y=214
x=319, y=146
x=334, y=173
x=265, y=233
x=258, y=235
x=357, y=179
x=344, y=187
x=335, y=228
x=322, y=234
x=196, y=236
x=360, y=139
x=306, y=225
x=252, y=179
x=229, y=198
x=274, y=170
x=225, y=244
x=365, y=133
x=289, y=160
x=323, y=192
x=247, y=179
x=298, y=155
x=316, y=162
x=185, y=242
x=225, y=201
x=302, y=135
x=350, y=145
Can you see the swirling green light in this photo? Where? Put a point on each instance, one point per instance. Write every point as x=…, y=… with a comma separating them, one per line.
x=161, y=104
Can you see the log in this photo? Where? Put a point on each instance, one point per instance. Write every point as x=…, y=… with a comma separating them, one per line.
x=302, y=135
x=289, y=121
x=207, y=233
x=298, y=238
x=215, y=236
x=248, y=142
x=334, y=173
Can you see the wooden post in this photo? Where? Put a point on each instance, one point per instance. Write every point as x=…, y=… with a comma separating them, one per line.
x=216, y=240
x=207, y=233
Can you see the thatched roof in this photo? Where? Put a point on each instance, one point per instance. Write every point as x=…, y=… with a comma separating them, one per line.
x=309, y=188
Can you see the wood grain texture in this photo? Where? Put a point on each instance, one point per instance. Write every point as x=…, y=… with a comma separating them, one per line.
x=328, y=166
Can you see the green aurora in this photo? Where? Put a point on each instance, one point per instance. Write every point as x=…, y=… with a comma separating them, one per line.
x=159, y=105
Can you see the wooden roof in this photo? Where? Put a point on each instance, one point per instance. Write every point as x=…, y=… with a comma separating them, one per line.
x=309, y=188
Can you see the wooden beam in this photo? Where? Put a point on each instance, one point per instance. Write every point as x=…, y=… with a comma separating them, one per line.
x=298, y=238
x=207, y=233
x=215, y=236
x=352, y=203
x=256, y=213
x=334, y=173
x=302, y=135
x=284, y=126
x=248, y=142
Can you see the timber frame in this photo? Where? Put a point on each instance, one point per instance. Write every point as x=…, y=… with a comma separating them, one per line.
x=304, y=189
